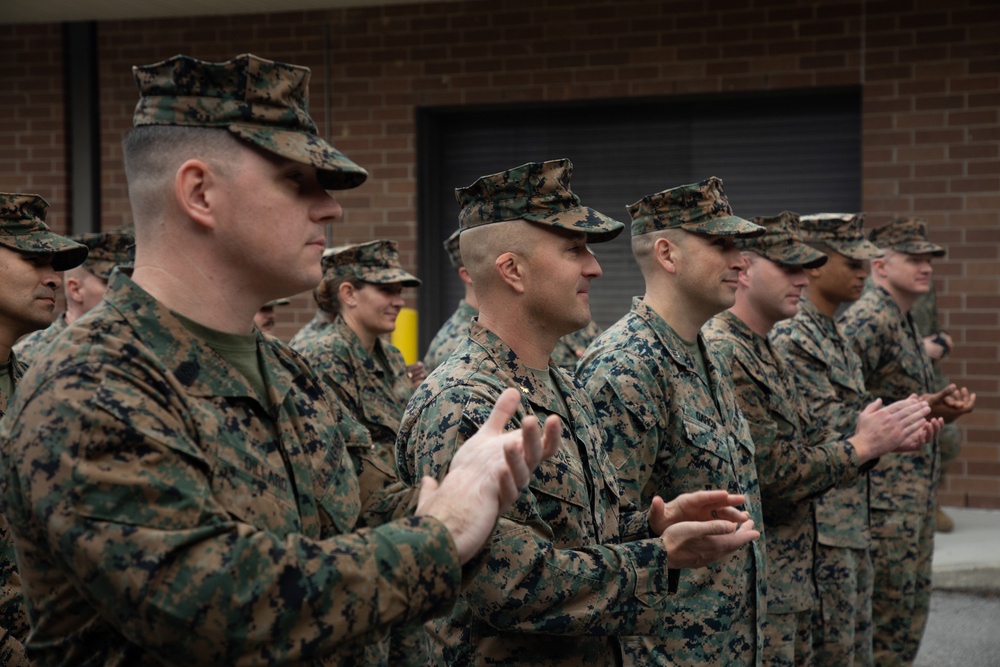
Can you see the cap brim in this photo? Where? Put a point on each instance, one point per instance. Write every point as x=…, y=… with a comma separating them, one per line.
x=598, y=227
x=335, y=170
x=920, y=248
x=389, y=277
x=725, y=226
x=795, y=253
x=66, y=254
x=861, y=249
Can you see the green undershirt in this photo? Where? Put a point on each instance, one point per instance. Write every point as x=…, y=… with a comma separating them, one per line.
x=239, y=351
x=6, y=380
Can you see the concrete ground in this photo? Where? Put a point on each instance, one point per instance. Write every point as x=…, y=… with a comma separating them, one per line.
x=963, y=629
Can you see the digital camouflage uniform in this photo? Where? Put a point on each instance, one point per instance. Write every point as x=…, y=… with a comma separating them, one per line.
x=565, y=571
x=668, y=433
x=13, y=615
x=796, y=460
x=106, y=250
x=374, y=388
x=454, y=330
x=224, y=509
x=374, y=394
x=559, y=561
x=670, y=429
x=28, y=346
x=571, y=347
x=23, y=230
x=925, y=317
x=903, y=486
x=829, y=378
x=166, y=512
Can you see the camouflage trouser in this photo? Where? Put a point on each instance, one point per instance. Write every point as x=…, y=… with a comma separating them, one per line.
x=11, y=651
x=902, y=547
x=409, y=646
x=788, y=639
x=842, y=626
x=950, y=441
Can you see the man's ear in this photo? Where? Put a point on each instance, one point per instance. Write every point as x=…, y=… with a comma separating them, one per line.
x=508, y=267
x=72, y=285
x=463, y=273
x=194, y=191
x=743, y=277
x=665, y=252
x=878, y=267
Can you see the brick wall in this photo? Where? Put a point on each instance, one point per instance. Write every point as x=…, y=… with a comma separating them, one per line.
x=930, y=74
x=32, y=122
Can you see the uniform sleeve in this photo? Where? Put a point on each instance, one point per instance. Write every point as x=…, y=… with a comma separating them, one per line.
x=628, y=412
x=13, y=615
x=790, y=468
x=526, y=582
x=383, y=497
x=862, y=330
x=126, y=511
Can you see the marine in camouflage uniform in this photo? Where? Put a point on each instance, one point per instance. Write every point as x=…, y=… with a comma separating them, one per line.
x=107, y=250
x=171, y=505
x=30, y=256
x=571, y=347
x=566, y=354
x=374, y=387
x=925, y=317
x=456, y=328
x=671, y=425
x=564, y=572
x=829, y=378
x=797, y=459
x=903, y=486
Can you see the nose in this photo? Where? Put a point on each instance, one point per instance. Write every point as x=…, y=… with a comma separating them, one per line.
x=800, y=278
x=592, y=268
x=51, y=279
x=737, y=260
x=327, y=209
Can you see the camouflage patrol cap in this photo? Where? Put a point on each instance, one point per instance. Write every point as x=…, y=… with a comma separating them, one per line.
x=373, y=262
x=701, y=208
x=781, y=242
x=23, y=229
x=454, y=252
x=907, y=235
x=261, y=101
x=538, y=192
x=107, y=250
x=276, y=302
x=841, y=231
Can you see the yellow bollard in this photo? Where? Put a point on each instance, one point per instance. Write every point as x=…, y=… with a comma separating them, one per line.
x=405, y=335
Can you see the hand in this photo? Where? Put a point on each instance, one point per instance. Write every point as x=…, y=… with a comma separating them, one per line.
x=917, y=440
x=938, y=346
x=697, y=506
x=900, y=426
x=697, y=543
x=954, y=405
x=415, y=373
x=487, y=474
x=950, y=403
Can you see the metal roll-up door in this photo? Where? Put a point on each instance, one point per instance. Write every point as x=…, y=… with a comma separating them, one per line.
x=797, y=152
